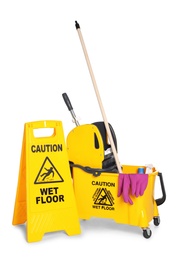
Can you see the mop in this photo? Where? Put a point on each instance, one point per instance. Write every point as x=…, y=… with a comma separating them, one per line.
x=99, y=98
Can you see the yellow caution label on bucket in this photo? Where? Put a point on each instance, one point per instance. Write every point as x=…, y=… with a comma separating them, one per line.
x=102, y=197
x=47, y=203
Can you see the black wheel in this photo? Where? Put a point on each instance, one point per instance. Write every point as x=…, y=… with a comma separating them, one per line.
x=147, y=233
x=156, y=221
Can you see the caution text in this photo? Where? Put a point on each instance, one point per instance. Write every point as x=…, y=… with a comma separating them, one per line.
x=43, y=148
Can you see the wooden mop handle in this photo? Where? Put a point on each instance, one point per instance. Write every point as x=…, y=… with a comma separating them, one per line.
x=98, y=98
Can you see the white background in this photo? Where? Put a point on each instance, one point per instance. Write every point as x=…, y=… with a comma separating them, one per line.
x=132, y=46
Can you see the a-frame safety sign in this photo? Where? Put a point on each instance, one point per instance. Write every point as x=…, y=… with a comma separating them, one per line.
x=45, y=198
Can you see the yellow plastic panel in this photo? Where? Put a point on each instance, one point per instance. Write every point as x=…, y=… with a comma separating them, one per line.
x=81, y=146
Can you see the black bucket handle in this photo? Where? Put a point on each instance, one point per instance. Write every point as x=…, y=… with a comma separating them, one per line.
x=161, y=200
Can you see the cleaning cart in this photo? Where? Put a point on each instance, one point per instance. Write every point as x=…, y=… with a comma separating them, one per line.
x=103, y=187
x=96, y=182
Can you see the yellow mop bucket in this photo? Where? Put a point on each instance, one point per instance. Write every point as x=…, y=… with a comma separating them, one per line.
x=97, y=197
x=96, y=188
x=98, y=176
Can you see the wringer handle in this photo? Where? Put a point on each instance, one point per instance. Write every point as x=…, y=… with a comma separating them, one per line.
x=70, y=108
x=67, y=101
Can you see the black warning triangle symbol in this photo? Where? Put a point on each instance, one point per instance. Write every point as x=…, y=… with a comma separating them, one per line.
x=48, y=173
x=103, y=198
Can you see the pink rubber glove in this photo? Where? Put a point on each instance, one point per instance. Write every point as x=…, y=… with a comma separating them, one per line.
x=124, y=187
x=138, y=183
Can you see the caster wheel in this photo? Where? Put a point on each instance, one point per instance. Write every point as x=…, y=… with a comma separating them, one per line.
x=147, y=233
x=156, y=221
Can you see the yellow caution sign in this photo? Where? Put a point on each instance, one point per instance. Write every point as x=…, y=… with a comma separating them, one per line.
x=45, y=197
